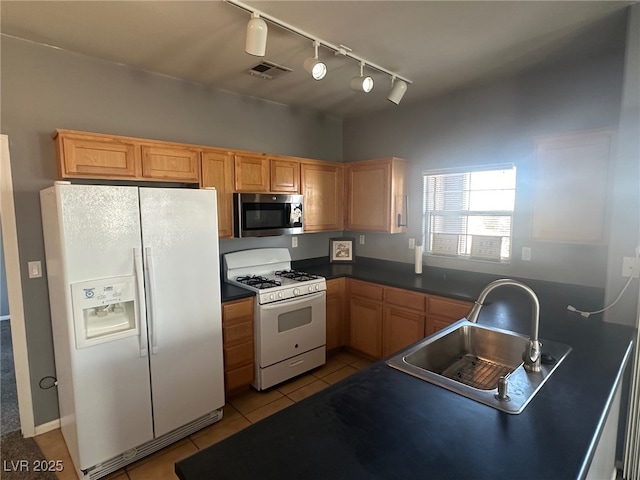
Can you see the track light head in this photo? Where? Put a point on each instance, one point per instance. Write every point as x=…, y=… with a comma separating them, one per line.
x=256, y=41
x=398, y=89
x=315, y=67
x=362, y=83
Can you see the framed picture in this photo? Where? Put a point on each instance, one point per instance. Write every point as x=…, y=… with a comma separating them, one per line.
x=342, y=250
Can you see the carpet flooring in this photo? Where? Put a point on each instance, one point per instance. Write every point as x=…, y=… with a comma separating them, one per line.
x=10, y=417
x=21, y=458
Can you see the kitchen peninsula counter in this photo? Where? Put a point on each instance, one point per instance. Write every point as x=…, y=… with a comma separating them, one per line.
x=381, y=423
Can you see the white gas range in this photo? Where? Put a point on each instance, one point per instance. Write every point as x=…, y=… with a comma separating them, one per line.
x=290, y=313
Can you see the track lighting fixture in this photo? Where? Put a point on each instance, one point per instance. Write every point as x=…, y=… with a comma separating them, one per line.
x=315, y=67
x=362, y=83
x=256, y=42
x=398, y=89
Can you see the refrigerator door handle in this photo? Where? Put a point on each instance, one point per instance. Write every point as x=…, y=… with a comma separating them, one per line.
x=151, y=276
x=142, y=321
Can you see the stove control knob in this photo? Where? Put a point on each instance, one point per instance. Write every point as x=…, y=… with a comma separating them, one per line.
x=272, y=296
x=310, y=288
x=317, y=287
x=296, y=292
x=279, y=294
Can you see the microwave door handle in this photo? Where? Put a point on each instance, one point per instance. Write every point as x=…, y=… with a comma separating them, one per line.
x=289, y=303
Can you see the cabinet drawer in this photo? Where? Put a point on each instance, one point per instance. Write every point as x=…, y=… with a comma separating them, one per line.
x=238, y=311
x=237, y=333
x=448, y=307
x=238, y=355
x=239, y=377
x=335, y=286
x=366, y=290
x=406, y=299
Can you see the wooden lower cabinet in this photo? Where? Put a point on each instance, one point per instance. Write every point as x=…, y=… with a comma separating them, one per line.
x=404, y=319
x=443, y=311
x=336, y=325
x=237, y=336
x=383, y=320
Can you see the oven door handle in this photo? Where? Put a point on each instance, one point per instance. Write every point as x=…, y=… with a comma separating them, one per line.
x=292, y=302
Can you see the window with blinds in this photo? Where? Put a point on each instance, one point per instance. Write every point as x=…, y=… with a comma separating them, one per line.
x=469, y=213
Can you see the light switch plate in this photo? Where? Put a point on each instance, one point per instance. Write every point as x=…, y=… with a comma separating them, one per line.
x=361, y=239
x=294, y=242
x=35, y=269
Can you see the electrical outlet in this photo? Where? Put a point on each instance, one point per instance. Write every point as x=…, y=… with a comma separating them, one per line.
x=361, y=239
x=412, y=243
x=630, y=267
x=526, y=254
x=294, y=242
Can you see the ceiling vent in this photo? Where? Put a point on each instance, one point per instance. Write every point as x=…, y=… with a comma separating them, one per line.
x=268, y=70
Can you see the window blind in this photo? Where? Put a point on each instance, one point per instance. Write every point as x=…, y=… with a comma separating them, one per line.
x=469, y=212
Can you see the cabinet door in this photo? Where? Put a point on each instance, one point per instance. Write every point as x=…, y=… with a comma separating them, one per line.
x=285, y=176
x=368, y=187
x=322, y=187
x=252, y=173
x=365, y=330
x=443, y=311
x=571, y=183
x=238, y=345
x=168, y=163
x=401, y=328
x=87, y=156
x=335, y=313
x=217, y=172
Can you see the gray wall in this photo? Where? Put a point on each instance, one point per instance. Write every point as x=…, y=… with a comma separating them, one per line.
x=44, y=88
x=496, y=123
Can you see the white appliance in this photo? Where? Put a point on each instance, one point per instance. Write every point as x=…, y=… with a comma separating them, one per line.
x=290, y=313
x=134, y=288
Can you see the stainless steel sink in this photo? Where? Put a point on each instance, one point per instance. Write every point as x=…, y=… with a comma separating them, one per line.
x=481, y=363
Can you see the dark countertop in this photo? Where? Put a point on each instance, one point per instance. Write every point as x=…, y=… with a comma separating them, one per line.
x=382, y=423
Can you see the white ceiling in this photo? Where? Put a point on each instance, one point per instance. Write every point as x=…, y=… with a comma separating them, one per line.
x=440, y=46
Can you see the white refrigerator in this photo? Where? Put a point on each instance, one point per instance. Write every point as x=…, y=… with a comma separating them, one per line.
x=134, y=289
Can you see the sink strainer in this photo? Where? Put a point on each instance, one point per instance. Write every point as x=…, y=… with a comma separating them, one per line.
x=476, y=373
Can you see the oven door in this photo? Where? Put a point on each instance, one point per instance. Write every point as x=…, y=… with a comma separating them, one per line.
x=290, y=327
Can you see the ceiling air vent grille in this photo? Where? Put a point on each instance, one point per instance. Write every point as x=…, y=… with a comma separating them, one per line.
x=268, y=70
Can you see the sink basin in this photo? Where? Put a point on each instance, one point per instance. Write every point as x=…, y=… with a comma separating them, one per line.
x=469, y=359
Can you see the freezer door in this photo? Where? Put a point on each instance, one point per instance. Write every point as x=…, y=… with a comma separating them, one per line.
x=180, y=243
x=92, y=232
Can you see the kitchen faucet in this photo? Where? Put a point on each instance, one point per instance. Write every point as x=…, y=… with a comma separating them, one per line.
x=531, y=355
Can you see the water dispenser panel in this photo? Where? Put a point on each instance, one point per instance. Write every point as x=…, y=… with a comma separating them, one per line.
x=104, y=310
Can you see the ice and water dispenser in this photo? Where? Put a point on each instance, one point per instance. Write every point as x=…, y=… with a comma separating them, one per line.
x=104, y=310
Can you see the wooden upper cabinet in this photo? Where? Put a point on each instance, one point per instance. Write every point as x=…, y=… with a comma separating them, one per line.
x=571, y=183
x=285, y=175
x=170, y=163
x=377, y=195
x=99, y=156
x=217, y=172
x=322, y=185
x=252, y=173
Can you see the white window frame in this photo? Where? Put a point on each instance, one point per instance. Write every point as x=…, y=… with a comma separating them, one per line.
x=462, y=244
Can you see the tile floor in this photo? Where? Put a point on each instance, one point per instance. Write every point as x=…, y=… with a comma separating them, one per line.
x=239, y=412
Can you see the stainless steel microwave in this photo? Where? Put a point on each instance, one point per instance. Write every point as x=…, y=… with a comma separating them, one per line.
x=267, y=214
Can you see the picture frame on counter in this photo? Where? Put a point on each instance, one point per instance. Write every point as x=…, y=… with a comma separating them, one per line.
x=342, y=250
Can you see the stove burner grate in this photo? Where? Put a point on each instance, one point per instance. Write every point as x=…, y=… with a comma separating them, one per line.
x=258, y=281
x=295, y=275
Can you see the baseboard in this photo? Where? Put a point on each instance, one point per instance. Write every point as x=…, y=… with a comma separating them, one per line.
x=47, y=427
